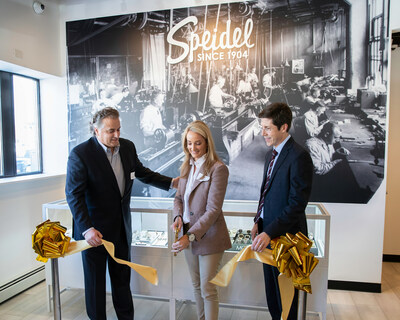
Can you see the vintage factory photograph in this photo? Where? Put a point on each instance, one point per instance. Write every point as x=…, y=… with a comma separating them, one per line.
x=223, y=64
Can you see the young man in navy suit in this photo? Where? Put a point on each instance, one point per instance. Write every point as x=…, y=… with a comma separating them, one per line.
x=284, y=195
x=100, y=175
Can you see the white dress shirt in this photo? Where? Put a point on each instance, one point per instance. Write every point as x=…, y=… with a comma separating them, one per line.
x=189, y=185
x=150, y=120
x=115, y=161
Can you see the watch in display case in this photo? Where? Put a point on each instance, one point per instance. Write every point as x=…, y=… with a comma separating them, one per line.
x=240, y=239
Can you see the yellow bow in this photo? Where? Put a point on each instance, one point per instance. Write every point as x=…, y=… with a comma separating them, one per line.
x=49, y=241
x=290, y=255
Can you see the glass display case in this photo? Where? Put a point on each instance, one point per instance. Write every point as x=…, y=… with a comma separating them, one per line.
x=58, y=211
x=151, y=245
x=239, y=218
x=150, y=222
x=318, y=229
x=149, y=229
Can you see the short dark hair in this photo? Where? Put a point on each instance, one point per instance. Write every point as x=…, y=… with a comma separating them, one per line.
x=280, y=114
x=328, y=128
x=315, y=89
x=154, y=94
x=98, y=117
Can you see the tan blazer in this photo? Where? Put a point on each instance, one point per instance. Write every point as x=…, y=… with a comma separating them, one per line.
x=207, y=221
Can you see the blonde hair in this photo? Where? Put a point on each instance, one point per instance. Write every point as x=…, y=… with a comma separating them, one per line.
x=211, y=155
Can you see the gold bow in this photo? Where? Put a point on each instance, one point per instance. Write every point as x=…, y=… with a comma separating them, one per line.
x=290, y=255
x=49, y=241
x=293, y=259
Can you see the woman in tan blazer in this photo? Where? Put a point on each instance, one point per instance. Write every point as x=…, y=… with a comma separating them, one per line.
x=198, y=209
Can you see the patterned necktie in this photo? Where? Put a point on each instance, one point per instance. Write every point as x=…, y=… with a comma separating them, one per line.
x=269, y=171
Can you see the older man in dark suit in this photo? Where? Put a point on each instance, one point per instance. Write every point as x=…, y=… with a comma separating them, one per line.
x=100, y=176
x=285, y=191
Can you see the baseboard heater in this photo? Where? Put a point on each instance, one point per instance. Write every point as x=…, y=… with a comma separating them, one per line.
x=354, y=286
x=391, y=258
x=21, y=283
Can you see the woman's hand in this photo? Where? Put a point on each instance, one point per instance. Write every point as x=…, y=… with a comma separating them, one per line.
x=177, y=224
x=181, y=244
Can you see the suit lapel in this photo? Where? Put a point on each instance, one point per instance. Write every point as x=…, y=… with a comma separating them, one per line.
x=267, y=161
x=281, y=158
x=125, y=165
x=197, y=182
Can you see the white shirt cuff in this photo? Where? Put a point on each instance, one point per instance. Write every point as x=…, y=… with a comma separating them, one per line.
x=84, y=232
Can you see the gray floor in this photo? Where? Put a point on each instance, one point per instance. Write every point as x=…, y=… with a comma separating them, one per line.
x=246, y=171
x=341, y=304
x=32, y=305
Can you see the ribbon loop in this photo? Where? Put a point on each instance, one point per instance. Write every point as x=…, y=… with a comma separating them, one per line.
x=291, y=252
x=290, y=255
x=49, y=241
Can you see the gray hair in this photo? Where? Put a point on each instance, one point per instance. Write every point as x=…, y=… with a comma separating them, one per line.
x=97, y=120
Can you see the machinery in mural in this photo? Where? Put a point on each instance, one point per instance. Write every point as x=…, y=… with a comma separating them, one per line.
x=222, y=64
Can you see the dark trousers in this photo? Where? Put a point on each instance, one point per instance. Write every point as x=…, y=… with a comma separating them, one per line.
x=272, y=290
x=95, y=261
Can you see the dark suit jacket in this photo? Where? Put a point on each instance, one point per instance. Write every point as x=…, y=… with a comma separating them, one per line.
x=92, y=191
x=288, y=191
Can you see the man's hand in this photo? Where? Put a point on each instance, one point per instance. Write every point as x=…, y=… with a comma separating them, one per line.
x=336, y=161
x=254, y=231
x=260, y=242
x=93, y=237
x=175, y=182
x=343, y=151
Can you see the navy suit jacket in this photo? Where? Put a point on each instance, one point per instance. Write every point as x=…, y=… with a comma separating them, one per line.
x=92, y=190
x=288, y=191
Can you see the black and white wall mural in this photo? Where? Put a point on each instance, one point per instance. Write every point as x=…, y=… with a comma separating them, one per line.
x=222, y=64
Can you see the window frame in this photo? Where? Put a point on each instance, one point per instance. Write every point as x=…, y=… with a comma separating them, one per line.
x=7, y=118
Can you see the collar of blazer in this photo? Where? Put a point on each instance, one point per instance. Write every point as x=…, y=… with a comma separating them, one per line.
x=123, y=150
x=200, y=178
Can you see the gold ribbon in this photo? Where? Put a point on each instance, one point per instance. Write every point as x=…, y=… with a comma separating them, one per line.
x=293, y=259
x=224, y=276
x=49, y=241
x=290, y=255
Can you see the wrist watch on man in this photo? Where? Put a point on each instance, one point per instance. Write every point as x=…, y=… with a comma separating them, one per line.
x=191, y=236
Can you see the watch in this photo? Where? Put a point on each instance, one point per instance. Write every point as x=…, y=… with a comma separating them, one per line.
x=191, y=236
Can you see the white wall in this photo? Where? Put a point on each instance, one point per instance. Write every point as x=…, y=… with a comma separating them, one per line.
x=29, y=39
x=392, y=219
x=30, y=45
x=20, y=212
